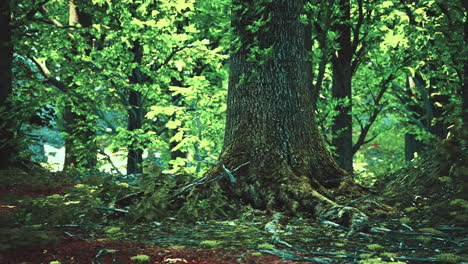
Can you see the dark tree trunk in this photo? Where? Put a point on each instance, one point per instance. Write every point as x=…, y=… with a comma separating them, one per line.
x=270, y=124
x=135, y=121
x=6, y=57
x=135, y=115
x=464, y=79
x=342, y=75
x=412, y=145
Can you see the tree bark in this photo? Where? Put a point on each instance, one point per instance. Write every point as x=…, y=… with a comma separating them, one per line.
x=6, y=58
x=135, y=115
x=270, y=124
x=342, y=75
x=135, y=121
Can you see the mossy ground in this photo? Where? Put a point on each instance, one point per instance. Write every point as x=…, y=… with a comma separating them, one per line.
x=426, y=223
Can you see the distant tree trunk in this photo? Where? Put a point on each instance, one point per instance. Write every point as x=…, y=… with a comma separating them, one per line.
x=6, y=57
x=427, y=111
x=270, y=124
x=342, y=75
x=464, y=80
x=135, y=121
x=135, y=115
x=412, y=144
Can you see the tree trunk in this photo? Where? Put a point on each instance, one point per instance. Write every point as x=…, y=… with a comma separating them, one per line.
x=135, y=115
x=135, y=121
x=342, y=75
x=464, y=80
x=6, y=57
x=270, y=124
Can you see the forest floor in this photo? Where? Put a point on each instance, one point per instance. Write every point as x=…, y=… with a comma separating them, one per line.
x=39, y=224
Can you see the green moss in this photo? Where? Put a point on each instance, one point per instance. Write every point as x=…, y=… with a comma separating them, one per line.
x=424, y=239
x=448, y=257
x=266, y=246
x=375, y=247
x=405, y=220
x=140, y=258
x=55, y=262
x=209, y=243
x=410, y=209
x=378, y=261
x=336, y=244
x=388, y=255
x=430, y=230
x=111, y=250
x=113, y=230
x=256, y=254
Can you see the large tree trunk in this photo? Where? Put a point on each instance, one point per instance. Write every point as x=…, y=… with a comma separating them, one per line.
x=6, y=57
x=342, y=75
x=270, y=123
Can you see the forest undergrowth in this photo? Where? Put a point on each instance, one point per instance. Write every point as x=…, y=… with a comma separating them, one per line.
x=417, y=215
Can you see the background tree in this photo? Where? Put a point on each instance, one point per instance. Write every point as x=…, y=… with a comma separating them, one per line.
x=6, y=59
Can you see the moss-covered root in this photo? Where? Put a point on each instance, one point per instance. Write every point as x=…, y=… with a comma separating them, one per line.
x=347, y=216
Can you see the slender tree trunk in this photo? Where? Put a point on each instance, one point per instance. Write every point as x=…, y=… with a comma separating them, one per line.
x=6, y=57
x=135, y=121
x=270, y=126
x=135, y=115
x=465, y=78
x=342, y=75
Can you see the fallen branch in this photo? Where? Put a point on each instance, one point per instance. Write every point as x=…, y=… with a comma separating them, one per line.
x=201, y=180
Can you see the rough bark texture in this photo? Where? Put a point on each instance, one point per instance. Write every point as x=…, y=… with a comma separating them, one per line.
x=6, y=56
x=270, y=121
x=342, y=75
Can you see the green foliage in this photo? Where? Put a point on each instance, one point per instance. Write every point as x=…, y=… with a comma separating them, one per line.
x=215, y=206
x=157, y=189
